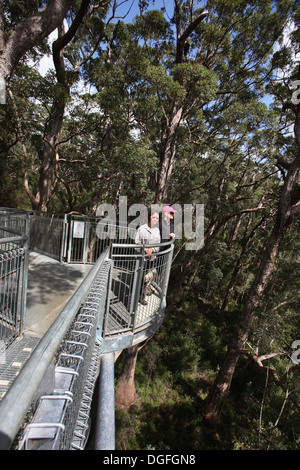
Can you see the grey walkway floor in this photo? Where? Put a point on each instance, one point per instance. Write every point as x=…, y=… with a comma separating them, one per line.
x=50, y=285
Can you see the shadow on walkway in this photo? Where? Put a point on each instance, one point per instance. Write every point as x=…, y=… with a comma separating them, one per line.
x=50, y=285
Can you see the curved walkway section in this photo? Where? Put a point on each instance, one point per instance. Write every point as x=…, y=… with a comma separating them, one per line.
x=50, y=286
x=75, y=316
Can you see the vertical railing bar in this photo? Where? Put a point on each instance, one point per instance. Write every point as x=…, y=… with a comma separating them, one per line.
x=70, y=240
x=63, y=239
x=139, y=287
x=86, y=241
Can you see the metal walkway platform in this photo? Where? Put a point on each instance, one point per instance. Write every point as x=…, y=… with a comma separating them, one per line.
x=50, y=286
x=76, y=319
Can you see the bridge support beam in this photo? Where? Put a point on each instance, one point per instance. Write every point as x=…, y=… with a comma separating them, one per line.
x=105, y=422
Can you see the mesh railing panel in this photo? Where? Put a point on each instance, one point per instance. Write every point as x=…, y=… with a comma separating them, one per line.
x=13, y=272
x=137, y=287
x=12, y=223
x=47, y=235
x=61, y=418
x=11, y=293
x=80, y=355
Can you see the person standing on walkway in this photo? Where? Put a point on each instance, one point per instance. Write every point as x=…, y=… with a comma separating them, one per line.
x=166, y=225
x=148, y=234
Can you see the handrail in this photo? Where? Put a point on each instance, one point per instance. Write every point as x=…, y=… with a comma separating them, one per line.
x=12, y=210
x=169, y=247
x=21, y=238
x=145, y=245
x=105, y=422
x=138, y=288
x=18, y=399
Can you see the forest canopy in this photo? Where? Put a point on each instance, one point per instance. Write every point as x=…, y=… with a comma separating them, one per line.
x=178, y=102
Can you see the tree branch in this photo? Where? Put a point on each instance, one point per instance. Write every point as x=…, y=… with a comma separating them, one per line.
x=282, y=162
x=280, y=382
x=62, y=41
x=295, y=209
x=22, y=140
x=182, y=39
x=29, y=32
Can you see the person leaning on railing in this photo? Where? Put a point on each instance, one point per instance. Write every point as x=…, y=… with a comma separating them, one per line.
x=148, y=234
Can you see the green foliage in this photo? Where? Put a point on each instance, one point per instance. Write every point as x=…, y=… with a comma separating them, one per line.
x=152, y=25
x=18, y=10
x=225, y=150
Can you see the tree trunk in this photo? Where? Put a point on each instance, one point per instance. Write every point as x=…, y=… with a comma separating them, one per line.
x=168, y=154
x=247, y=242
x=224, y=377
x=48, y=168
x=28, y=33
x=125, y=394
x=173, y=121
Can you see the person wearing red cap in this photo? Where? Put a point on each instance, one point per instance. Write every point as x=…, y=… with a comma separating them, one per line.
x=166, y=224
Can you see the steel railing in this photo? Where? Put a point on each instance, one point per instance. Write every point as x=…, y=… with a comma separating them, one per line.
x=89, y=236
x=13, y=223
x=48, y=234
x=12, y=293
x=67, y=332
x=14, y=237
x=122, y=295
x=138, y=285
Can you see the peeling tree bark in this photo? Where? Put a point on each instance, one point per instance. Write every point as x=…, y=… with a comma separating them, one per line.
x=125, y=394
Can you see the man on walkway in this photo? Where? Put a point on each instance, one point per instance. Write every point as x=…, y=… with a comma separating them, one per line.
x=166, y=225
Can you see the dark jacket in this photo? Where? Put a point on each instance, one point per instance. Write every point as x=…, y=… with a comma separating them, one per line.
x=165, y=230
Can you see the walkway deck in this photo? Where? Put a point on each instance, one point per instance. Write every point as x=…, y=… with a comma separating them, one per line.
x=50, y=286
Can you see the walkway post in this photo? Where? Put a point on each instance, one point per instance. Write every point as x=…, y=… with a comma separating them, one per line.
x=105, y=421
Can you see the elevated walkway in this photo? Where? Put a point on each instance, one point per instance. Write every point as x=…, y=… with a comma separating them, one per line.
x=65, y=319
x=50, y=286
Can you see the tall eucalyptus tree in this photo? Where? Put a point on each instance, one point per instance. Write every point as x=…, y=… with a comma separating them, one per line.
x=23, y=30
x=187, y=79
x=288, y=208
